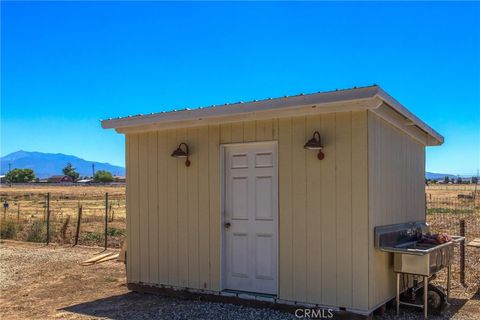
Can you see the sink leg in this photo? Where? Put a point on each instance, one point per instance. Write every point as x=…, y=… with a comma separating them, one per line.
x=425, y=297
x=449, y=278
x=398, y=294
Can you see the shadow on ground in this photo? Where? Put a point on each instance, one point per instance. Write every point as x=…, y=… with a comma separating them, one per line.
x=149, y=306
x=130, y=305
x=477, y=295
x=134, y=305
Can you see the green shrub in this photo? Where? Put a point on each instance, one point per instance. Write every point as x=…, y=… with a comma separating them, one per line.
x=37, y=232
x=450, y=211
x=91, y=236
x=8, y=230
x=115, y=232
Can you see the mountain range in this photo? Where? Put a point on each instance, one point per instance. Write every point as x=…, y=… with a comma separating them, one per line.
x=49, y=164
x=441, y=176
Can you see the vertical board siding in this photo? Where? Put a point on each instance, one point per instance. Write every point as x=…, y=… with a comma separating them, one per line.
x=182, y=213
x=264, y=130
x=172, y=216
x=299, y=209
x=360, y=239
x=133, y=196
x=285, y=209
x=396, y=184
x=215, y=209
x=162, y=173
x=323, y=207
x=143, y=207
x=153, y=214
x=314, y=216
x=328, y=228
x=343, y=195
x=249, y=131
x=237, y=132
x=203, y=209
x=128, y=191
x=192, y=219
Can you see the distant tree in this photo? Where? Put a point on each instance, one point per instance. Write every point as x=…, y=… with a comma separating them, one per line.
x=20, y=175
x=474, y=180
x=70, y=171
x=446, y=179
x=103, y=176
x=459, y=180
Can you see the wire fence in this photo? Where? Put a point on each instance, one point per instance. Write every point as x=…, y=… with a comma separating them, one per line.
x=56, y=218
x=445, y=213
x=459, y=215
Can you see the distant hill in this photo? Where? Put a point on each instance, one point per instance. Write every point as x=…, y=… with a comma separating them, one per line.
x=48, y=164
x=441, y=176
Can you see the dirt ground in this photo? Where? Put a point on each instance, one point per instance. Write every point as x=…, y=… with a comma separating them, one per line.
x=37, y=281
x=40, y=282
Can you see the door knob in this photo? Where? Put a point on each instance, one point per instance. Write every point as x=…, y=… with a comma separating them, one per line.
x=227, y=225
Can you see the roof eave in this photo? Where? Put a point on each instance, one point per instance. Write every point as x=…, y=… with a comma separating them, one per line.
x=324, y=98
x=335, y=101
x=436, y=138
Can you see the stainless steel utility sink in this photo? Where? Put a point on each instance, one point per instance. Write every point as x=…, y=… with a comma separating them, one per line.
x=411, y=256
x=423, y=261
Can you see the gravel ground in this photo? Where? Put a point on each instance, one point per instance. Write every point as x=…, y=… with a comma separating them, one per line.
x=143, y=306
x=13, y=259
x=39, y=282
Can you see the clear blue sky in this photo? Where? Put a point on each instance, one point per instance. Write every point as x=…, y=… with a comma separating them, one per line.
x=66, y=65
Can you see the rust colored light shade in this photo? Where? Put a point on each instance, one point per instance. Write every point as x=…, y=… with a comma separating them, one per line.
x=180, y=153
x=315, y=144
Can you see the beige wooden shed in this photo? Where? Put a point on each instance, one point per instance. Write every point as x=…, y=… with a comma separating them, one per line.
x=257, y=214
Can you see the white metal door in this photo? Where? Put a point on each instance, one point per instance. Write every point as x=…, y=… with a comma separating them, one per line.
x=251, y=218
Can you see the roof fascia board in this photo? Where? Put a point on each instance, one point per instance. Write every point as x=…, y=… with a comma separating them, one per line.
x=397, y=106
x=243, y=108
x=386, y=113
x=327, y=102
x=357, y=105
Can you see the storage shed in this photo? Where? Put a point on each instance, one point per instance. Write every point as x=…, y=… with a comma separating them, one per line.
x=274, y=199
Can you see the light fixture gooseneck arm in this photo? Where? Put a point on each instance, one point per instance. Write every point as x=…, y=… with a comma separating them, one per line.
x=316, y=135
x=186, y=147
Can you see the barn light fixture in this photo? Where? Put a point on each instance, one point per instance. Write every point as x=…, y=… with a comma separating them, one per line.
x=180, y=153
x=315, y=144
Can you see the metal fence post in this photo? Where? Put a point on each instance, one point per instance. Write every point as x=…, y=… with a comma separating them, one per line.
x=79, y=219
x=106, y=219
x=48, y=218
x=462, y=253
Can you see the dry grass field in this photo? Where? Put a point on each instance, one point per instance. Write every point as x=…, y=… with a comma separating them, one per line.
x=27, y=211
x=450, y=191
